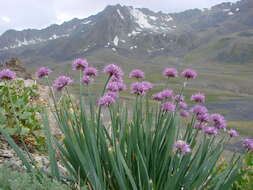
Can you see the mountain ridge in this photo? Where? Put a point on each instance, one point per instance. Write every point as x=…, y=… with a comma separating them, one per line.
x=130, y=32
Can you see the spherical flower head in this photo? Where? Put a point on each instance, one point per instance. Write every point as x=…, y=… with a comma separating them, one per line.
x=219, y=121
x=178, y=98
x=199, y=125
x=113, y=70
x=211, y=131
x=80, y=64
x=184, y=113
x=90, y=71
x=167, y=94
x=170, y=72
x=61, y=82
x=182, y=147
x=137, y=73
x=248, y=143
x=7, y=74
x=204, y=117
x=141, y=88
x=147, y=85
x=189, y=74
x=116, y=79
x=182, y=105
x=198, y=109
x=158, y=96
x=114, y=95
x=116, y=86
x=113, y=87
x=87, y=79
x=199, y=97
x=233, y=133
x=106, y=101
x=43, y=71
x=168, y=107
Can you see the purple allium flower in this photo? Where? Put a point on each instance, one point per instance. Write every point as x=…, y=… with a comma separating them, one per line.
x=216, y=117
x=204, y=117
x=116, y=79
x=199, y=125
x=168, y=107
x=116, y=86
x=248, y=143
x=219, y=121
x=198, y=109
x=90, y=71
x=113, y=70
x=182, y=105
x=157, y=96
x=7, y=74
x=167, y=94
x=79, y=64
x=184, y=113
x=113, y=87
x=140, y=88
x=233, y=133
x=61, y=82
x=137, y=73
x=178, y=98
x=199, y=97
x=114, y=95
x=189, y=74
x=182, y=147
x=170, y=72
x=147, y=85
x=43, y=71
x=211, y=131
x=106, y=101
x=87, y=80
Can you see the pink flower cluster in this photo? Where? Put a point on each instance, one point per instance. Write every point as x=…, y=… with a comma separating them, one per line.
x=7, y=74
x=199, y=97
x=43, y=71
x=168, y=107
x=182, y=147
x=106, y=100
x=80, y=64
x=165, y=94
x=141, y=88
x=61, y=82
x=137, y=73
x=248, y=144
x=113, y=70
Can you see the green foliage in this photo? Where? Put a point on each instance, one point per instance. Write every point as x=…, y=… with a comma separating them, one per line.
x=136, y=152
x=19, y=115
x=116, y=148
x=13, y=180
x=245, y=182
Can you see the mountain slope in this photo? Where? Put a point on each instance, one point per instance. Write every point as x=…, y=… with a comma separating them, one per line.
x=131, y=32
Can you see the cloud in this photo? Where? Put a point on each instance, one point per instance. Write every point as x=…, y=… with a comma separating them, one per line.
x=5, y=19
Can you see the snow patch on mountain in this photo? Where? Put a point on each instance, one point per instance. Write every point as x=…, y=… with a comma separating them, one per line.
x=116, y=40
x=34, y=41
x=121, y=16
x=140, y=18
x=87, y=22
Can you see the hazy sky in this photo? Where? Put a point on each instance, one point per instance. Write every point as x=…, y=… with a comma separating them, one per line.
x=22, y=14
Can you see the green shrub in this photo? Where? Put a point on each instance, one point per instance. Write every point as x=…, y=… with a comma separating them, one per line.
x=19, y=115
x=35, y=180
x=245, y=182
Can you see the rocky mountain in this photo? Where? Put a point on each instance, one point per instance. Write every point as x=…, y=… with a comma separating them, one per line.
x=139, y=33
